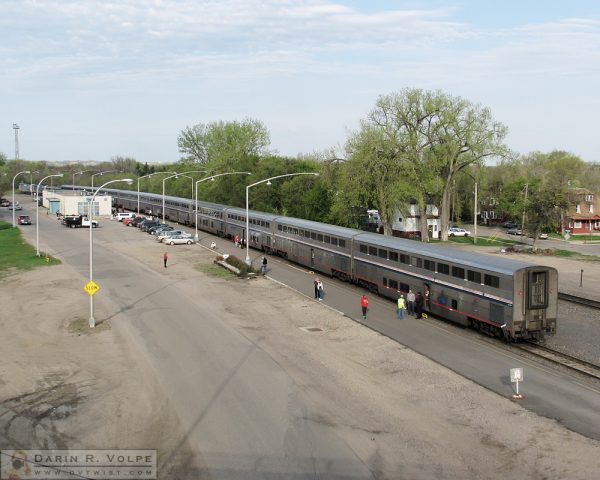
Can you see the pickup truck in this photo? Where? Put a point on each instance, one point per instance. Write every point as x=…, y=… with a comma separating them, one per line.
x=78, y=221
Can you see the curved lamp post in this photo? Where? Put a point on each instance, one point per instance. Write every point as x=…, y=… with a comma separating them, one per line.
x=102, y=173
x=13, y=194
x=79, y=173
x=37, y=213
x=138, y=186
x=181, y=174
x=474, y=209
x=92, y=321
x=268, y=182
x=211, y=178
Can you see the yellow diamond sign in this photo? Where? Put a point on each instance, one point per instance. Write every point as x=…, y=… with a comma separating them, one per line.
x=91, y=287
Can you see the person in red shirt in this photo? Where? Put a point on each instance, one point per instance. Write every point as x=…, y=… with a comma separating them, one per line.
x=165, y=258
x=364, y=303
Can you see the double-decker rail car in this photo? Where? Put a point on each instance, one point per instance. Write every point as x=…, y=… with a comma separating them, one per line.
x=514, y=300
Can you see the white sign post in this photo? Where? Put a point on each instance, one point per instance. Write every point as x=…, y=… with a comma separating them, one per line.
x=516, y=376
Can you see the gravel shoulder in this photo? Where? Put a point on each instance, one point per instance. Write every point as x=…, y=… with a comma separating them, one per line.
x=404, y=415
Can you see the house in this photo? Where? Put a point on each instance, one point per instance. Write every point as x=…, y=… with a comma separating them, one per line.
x=409, y=225
x=582, y=216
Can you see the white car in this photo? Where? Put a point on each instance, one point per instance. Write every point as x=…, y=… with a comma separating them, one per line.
x=178, y=240
x=165, y=235
x=123, y=215
x=458, y=232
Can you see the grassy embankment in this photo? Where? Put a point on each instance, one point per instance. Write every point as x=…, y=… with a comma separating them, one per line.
x=481, y=241
x=16, y=254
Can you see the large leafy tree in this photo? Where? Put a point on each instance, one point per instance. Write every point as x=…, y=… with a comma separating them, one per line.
x=223, y=143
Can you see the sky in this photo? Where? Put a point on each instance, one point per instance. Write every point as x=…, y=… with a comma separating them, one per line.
x=90, y=80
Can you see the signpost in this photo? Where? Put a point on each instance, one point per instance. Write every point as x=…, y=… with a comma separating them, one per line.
x=516, y=376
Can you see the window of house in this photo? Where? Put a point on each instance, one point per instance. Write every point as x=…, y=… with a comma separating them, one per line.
x=578, y=208
x=576, y=224
x=458, y=272
x=372, y=251
x=591, y=208
x=429, y=265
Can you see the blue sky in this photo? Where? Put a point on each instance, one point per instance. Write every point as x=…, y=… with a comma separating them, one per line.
x=89, y=80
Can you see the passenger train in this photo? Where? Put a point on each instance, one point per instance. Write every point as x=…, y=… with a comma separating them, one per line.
x=504, y=297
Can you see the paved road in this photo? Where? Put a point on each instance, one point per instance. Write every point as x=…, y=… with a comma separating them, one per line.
x=244, y=416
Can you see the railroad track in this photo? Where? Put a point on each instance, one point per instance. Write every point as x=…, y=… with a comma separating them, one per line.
x=582, y=366
x=567, y=297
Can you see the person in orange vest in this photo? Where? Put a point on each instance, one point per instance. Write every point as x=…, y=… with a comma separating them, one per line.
x=364, y=303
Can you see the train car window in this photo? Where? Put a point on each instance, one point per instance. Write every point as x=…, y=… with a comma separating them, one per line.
x=393, y=256
x=417, y=262
x=334, y=241
x=430, y=265
x=491, y=280
x=319, y=237
x=268, y=224
x=262, y=223
x=454, y=305
x=405, y=259
x=458, y=272
x=327, y=239
x=307, y=234
x=313, y=235
x=342, y=243
x=280, y=228
x=404, y=287
x=295, y=231
x=443, y=268
x=538, y=289
x=363, y=248
x=382, y=253
x=473, y=276
x=393, y=284
x=385, y=282
x=372, y=251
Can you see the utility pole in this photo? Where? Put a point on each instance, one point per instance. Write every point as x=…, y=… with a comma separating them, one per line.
x=523, y=220
x=16, y=129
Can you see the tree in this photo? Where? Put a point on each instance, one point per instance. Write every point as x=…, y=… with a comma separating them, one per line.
x=2, y=159
x=220, y=143
x=124, y=164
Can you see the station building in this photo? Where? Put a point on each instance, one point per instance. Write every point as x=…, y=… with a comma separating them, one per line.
x=67, y=202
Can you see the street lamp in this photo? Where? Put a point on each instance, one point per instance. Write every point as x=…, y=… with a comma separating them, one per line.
x=268, y=182
x=16, y=129
x=37, y=213
x=138, y=186
x=181, y=174
x=474, y=209
x=101, y=173
x=13, y=195
x=92, y=321
x=79, y=173
x=31, y=181
x=212, y=178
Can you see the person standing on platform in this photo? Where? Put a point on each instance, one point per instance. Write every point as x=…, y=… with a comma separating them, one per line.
x=401, y=307
x=165, y=259
x=364, y=304
x=316, y=284
x=419, y=306
x=410, y=302
x=320, y=290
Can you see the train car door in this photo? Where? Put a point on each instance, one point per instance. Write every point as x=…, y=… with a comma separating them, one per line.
x=427, y=297
x=312, y=257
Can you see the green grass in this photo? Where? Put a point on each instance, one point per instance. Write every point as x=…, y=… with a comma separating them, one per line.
x=16, y=254
x=216, y=271
x=481, y=241
x=593, y=238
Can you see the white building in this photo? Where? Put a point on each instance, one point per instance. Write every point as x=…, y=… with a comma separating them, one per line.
x=68, y=202
x=410, y=225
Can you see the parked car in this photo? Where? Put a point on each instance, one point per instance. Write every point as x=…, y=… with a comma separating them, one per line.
x=157, y=227
x=76, y=221
x=24, y=220
x=458, y=232
x=515, y=231
x=145, y=226
x=543, y=236
x=5, y=203
x=179, y=240
x=16, y=206
x=123, y=215
x=161, y=230
x=170, y=233
x=137, y=220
